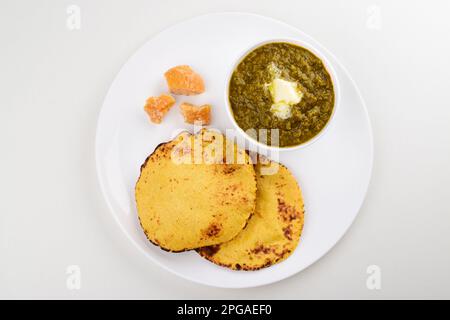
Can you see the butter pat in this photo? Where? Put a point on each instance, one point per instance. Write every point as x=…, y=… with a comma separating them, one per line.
x=281, y=110
x=285, y=91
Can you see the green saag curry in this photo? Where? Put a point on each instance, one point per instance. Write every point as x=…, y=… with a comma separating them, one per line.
x=304, y=103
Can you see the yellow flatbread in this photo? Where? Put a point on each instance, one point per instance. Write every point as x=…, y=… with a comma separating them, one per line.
x=187, y=197
x=273, y=231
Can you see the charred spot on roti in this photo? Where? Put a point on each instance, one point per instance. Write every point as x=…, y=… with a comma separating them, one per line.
x=210, y=250
x=287, y=212
x=213, y=230
x=229, y=169
x=261, y=249
x=287, y=232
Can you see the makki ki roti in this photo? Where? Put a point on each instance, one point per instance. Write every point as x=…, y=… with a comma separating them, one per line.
x=273, y=231
x=187, y=197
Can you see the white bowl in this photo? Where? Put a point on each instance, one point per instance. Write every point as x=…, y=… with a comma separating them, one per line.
x=327, y=66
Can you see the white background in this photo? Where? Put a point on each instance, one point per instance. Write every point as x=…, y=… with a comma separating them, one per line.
x=52, y=84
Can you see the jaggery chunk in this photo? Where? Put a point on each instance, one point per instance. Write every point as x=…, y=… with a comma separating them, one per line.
x=182, y=80
x=157, y=107
x=193, y=114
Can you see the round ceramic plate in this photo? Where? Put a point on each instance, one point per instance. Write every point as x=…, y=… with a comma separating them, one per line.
x=334, y=172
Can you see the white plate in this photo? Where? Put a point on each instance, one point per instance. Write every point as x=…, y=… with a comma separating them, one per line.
x=334, y=172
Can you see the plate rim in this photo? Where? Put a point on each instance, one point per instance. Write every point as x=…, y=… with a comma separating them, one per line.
x=101, y=180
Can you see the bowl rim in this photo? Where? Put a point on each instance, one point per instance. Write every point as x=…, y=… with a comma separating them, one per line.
x=328, y=66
